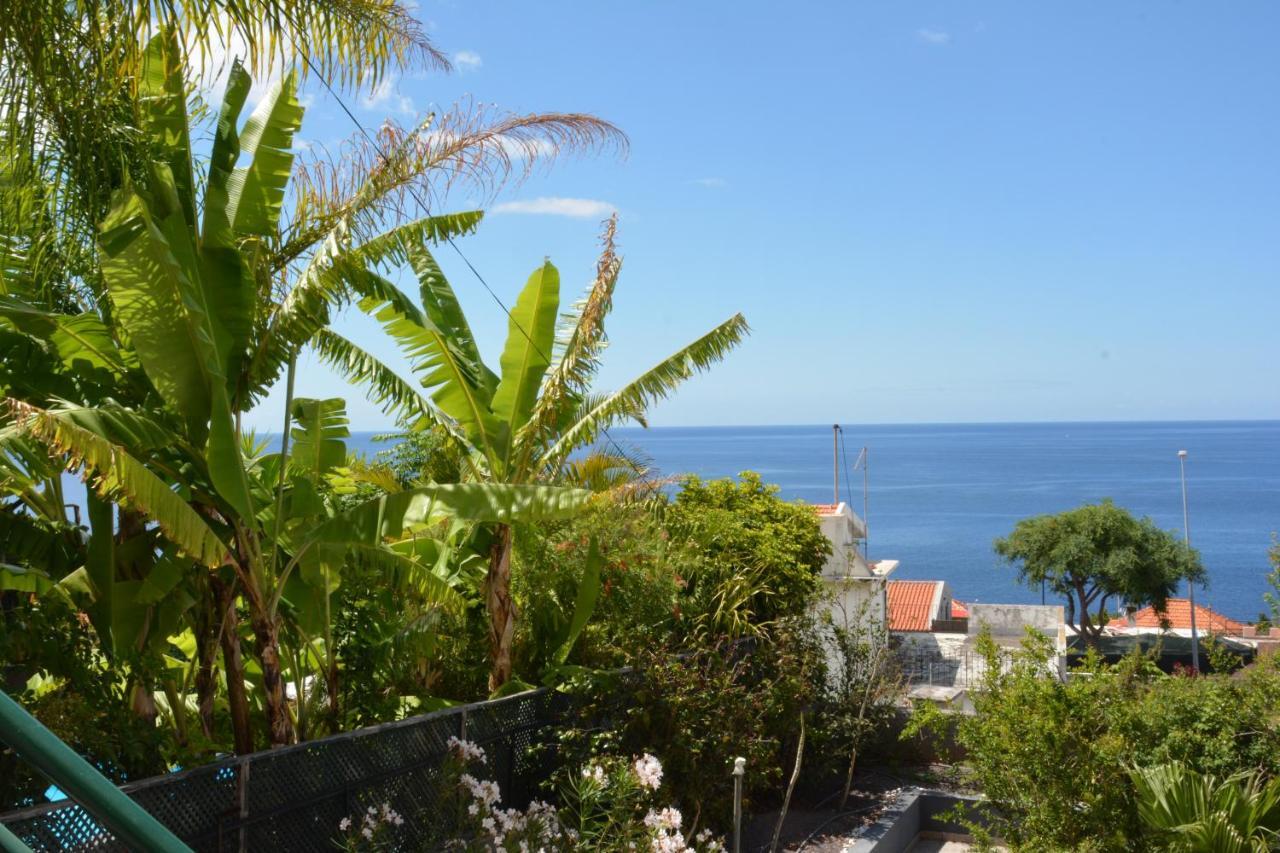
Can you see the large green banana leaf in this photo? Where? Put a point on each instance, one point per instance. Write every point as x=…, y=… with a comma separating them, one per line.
x=319, y=436
x=115, y=474
x=531, y=333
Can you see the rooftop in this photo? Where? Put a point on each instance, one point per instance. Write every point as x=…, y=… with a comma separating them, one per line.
x=1177, y=616
x=911, y=604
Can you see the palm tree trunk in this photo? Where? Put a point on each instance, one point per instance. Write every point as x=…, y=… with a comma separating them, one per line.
x=233, y=666
x=502, y=610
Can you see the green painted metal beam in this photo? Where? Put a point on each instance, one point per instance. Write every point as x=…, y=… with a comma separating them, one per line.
x=11, y=843
x=81, y=781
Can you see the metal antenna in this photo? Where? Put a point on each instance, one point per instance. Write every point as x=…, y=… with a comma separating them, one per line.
x=1191, y=584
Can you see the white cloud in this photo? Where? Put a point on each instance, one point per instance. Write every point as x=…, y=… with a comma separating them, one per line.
x=467, y=60
x=935, y=37
x=386, y=95
x=210, y=66
x=711, y=183
x=578, y=208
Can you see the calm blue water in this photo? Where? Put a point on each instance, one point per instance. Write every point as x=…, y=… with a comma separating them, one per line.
x=941, y=493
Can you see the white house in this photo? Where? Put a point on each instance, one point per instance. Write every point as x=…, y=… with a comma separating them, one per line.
x=858, y=586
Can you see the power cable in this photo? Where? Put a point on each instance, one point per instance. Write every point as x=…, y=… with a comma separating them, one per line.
x=426, y=206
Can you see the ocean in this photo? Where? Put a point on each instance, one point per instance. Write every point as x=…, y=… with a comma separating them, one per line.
x=940, y=494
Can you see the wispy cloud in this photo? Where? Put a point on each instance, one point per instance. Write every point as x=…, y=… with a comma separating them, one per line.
x=578, y=208
x=711, y=183
x=934, y=37
x=210, y=66
x=386, y=95
x=467, y=60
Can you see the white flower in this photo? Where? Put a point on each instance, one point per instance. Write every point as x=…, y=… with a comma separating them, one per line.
x=649, y=771
x=466, y=750
x=668, y=818
x=595, y=773
x=344, y=824
x=367, y=833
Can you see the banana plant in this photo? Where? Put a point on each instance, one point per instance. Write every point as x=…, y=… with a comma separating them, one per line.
x=191, y=300
x=523, y=423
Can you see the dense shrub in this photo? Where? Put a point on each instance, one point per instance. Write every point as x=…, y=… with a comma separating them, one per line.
x=638, y=585
x=752, y=557
x=1054, y=757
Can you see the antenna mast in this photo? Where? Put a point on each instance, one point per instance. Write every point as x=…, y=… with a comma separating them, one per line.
x=835, y=461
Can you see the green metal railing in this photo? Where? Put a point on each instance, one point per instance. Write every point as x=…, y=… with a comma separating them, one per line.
x=60, y=764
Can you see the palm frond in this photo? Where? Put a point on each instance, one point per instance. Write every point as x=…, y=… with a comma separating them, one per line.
x=654, y=384
x=405, y=172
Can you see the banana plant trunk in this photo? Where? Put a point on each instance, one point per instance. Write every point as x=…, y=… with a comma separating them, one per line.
x=502, y=610
x=233, y=668
x=266, y=631
x=208, y=625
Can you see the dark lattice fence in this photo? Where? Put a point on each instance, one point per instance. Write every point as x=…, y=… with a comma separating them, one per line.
x=293, y=798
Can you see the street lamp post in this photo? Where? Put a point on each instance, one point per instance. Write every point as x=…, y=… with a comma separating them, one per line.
x=1191, y=584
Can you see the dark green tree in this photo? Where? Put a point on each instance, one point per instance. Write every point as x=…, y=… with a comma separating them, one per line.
x=1096, y=554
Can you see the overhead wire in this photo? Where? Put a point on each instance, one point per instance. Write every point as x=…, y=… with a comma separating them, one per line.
x=426, y=206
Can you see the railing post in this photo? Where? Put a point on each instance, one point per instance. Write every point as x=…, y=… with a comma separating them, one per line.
x=60, y=764
x=242, y=799
x=739, y=768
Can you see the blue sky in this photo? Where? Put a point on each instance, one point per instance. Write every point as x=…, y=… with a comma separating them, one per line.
x=928, y=212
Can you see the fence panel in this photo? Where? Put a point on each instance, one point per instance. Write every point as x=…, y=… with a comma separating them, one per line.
x=293, y=798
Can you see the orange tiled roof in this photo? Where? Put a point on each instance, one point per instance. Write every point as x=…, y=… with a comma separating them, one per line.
x=959, y=610
x=911, y=604
x=1177, y=615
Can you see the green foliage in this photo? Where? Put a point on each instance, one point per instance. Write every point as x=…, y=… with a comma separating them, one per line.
x=53, y=667
x=1052, y=756
x=1191, y=812
x=1096, y=553
x=426, y=456
x=856, y=700
x=638, y=599
x=754, y=558
x=703, y=707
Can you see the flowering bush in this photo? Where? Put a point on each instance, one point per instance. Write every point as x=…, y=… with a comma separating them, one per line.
x=370, y=831
x=606, y=806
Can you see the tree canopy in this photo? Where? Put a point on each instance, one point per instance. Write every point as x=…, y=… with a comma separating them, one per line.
x=1098, y=553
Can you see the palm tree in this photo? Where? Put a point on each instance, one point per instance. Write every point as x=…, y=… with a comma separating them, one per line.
x=1198, y=813
x=524, y=423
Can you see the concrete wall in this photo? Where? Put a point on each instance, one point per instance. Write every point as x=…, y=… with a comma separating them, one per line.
x=913, y=814
x=857, y=598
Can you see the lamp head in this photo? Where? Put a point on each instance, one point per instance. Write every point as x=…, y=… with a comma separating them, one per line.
x=1182, y=454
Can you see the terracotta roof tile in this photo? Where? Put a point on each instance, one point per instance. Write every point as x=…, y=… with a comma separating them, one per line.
x=1177, y=615
x=959, y=610
x=911, y=604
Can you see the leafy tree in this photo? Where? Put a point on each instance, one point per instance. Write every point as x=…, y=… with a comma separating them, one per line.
x=524, y=424
x=1096, y=553
x=754, y=558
